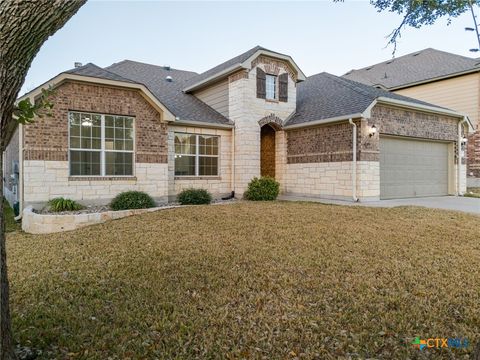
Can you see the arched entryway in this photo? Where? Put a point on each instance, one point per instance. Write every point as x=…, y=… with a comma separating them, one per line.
x=267, y=151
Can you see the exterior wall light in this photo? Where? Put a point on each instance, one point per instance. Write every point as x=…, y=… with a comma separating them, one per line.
x=464, y=140
x=372, y=131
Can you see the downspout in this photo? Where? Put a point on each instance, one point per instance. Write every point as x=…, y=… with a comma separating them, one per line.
x=21, y=174
x=232, y=180
x=354, y=160
x=459, y=155
x=233, y=161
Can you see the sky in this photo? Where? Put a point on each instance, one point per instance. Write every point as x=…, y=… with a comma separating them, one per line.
x=195, y=36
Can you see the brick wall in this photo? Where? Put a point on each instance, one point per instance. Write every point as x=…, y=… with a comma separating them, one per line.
x=47, y=138
x=397, y=121
x=473, y=154
x=328, y=143
x=403, y=122
x=332, y=143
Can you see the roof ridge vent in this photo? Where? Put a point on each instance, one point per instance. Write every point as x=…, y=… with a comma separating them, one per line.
x=166, y=67
x=77, y=64
x=169, y=78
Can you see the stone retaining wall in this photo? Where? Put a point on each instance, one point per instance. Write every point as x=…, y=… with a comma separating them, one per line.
x=34, y=223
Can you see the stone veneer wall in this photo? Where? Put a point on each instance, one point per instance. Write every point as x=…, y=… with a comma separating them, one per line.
x=333, y=180
x=246, y=110
x=46, y=168
x=220, y=185
x=44, y=180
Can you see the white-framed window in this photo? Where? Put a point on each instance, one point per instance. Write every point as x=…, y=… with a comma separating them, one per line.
x=196, y=155
x=101, y=145
x=271, y=87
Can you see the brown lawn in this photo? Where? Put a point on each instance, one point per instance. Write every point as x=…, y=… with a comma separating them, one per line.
x=250, y=280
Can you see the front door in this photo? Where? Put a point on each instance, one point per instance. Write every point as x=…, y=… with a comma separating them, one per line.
x=267, y=151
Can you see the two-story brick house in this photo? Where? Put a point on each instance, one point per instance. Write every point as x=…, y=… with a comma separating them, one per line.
x=136, y=126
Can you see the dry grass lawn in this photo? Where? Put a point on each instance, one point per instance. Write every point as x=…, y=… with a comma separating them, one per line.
x=250, y=280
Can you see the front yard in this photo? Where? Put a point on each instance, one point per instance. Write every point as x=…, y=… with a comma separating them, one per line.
x=250, y=280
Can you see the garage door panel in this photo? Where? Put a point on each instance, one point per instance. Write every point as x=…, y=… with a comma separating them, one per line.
x=411, y=168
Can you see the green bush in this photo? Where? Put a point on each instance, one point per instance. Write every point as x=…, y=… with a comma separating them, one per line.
x=262, y=189
x=132, y=200
x=194, y=197
x=61, y=204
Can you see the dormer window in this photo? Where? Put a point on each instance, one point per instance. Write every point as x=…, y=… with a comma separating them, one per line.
x=271, y=87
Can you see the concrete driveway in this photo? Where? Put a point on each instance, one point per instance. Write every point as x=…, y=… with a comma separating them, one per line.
x=465, y=204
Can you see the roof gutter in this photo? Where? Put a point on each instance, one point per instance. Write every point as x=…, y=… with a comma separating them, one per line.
x=323, y=121
x=201, y=124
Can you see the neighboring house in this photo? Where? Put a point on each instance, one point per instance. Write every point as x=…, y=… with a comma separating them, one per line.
x=136, y=126
x=439, y=77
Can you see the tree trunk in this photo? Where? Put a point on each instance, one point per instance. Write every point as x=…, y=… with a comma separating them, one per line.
x=5, y=331
x=24, y=26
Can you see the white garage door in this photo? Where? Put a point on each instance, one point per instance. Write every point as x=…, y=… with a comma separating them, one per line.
x=412, y=168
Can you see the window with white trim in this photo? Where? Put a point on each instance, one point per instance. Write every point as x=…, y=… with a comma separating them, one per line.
x=101, y=145
x=271, y=87
x=196, y=155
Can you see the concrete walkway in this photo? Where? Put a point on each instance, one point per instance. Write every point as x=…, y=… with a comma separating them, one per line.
x=465, y=204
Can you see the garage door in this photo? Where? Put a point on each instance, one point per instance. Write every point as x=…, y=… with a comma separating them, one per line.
x=412, y=168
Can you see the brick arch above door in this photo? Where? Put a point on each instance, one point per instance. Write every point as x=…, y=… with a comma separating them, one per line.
x=272, y=120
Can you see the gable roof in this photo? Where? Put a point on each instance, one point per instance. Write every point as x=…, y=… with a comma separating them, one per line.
x=234, y=64
x=93, y=70
x=418, y=67
x=184, y=106
x=326, y=96
x=223, y=66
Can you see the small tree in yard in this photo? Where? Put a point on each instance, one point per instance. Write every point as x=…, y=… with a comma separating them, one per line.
x=24, y=26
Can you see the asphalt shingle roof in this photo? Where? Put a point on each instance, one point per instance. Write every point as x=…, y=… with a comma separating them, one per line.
x=223, y=66
x=325, y=96
x=319, y=97
x=416, y=67
x=170, y=94
x=93, y=70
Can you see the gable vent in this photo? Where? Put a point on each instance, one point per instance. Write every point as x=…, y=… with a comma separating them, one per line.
x=169, y=78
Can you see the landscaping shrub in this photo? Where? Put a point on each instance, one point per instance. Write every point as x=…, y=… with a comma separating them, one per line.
x=262, y=189
x=194, y=197
x=132, y=200
x=61, y=204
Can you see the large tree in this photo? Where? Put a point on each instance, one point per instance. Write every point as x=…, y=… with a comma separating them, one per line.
x=24, y=26
x=417, y=13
